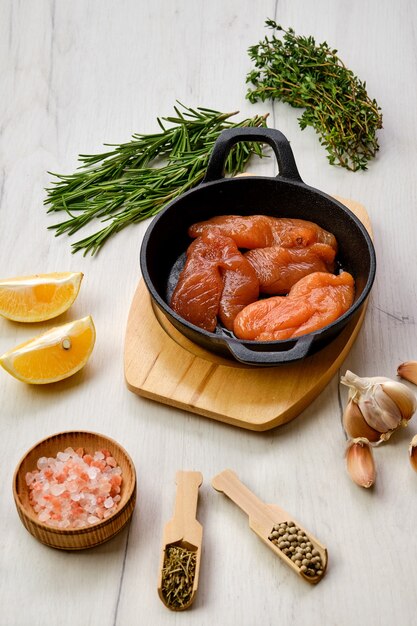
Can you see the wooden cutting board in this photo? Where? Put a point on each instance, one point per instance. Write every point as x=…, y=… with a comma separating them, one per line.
x=163, y=365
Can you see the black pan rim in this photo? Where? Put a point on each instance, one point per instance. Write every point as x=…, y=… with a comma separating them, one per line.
x=252, y=343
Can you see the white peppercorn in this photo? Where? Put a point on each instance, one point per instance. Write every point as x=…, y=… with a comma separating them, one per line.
x=295, y=544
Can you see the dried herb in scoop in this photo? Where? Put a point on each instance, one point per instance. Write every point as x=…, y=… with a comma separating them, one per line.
x=135, y=180
x=296, y=70
x=178, y=575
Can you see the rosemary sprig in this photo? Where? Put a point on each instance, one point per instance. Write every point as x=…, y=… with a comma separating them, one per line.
x=135, y=180
x=298, y=71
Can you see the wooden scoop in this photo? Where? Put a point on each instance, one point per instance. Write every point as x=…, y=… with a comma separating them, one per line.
x=262, y=519
x=182, y=538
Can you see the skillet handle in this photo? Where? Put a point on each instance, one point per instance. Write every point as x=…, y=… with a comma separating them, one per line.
x=274, y=138
x=247, y=356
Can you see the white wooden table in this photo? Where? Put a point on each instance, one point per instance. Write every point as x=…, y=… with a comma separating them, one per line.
x=75, y=74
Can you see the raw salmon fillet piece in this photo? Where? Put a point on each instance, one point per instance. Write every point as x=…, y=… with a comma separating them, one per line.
x=262, y=231
x=217, y=280
x=278, y=268
x=314, y=302
x=196, y=296
x=240, y=285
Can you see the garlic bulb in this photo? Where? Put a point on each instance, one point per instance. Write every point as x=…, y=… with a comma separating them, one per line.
x=376, y=407
x=408, y=370
x=360, y=462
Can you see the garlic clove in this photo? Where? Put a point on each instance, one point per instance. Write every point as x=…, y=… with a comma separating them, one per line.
x=380, y=412
x=360, y=462
x=408, y=370
x=403, y=397
x=355, y=424
x=412, y=450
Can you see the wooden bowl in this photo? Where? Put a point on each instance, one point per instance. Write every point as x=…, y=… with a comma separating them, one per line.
x=87, y=536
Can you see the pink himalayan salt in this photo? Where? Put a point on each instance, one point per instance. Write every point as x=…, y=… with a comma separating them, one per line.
x=75, y=489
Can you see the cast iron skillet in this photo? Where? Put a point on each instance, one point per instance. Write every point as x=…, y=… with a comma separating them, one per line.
x=286, y=195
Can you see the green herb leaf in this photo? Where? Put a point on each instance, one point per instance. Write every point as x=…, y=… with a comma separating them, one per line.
x=304, y=74
x=135, y=180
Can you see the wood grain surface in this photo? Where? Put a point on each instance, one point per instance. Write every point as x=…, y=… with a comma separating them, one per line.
x=75, y=74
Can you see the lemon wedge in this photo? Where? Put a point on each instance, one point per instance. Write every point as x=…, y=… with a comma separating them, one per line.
x=54, y=355
x=39, y=297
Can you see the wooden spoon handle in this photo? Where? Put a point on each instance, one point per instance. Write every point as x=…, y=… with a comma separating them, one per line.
x=186, y=498
x=228, y=483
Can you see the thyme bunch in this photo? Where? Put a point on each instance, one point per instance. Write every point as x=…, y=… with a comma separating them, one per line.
x=135, y=180
x=296, y=70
